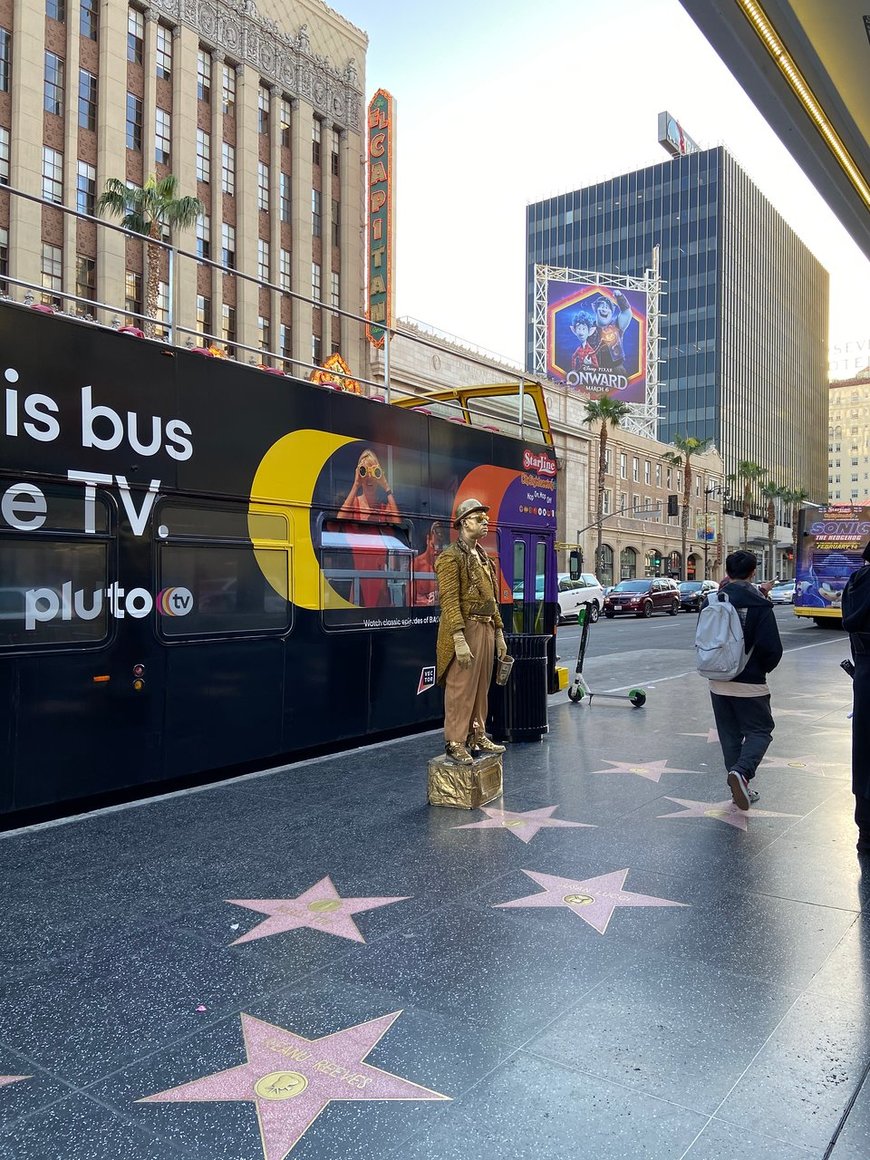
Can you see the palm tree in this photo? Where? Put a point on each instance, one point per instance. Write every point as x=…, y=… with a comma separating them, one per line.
x=687, y=446
x=609, y=412
x=749, y=473
x=793, y=497
x=149, y=210
x=771, y=491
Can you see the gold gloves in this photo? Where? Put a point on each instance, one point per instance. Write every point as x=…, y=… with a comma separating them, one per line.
x=464, y=655
x=500, y=645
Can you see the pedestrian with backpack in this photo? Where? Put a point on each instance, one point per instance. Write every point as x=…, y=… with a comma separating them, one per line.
x=856, y=621
x=737, y=644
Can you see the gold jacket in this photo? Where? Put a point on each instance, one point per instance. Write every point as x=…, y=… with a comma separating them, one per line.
x=462, y=589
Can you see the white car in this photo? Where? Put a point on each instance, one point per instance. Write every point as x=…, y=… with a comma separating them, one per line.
x=782, y=593
x=573, y=594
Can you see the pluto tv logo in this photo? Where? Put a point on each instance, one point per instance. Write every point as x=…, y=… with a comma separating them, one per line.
x=175, y=601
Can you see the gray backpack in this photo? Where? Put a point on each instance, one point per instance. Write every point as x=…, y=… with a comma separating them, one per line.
x=720, y=646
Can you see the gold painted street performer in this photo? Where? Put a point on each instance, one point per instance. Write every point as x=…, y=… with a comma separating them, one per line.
x=470, y=634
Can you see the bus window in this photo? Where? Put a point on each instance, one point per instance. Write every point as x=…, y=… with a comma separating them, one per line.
x=540, y=573
x=363, y=567
x=218, y=589
x=425, y=580
x=519, y=588
x=53, y=592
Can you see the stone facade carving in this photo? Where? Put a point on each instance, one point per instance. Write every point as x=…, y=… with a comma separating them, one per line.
x=236, y=28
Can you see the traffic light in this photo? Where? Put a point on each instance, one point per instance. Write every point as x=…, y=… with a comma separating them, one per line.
x=673, y=505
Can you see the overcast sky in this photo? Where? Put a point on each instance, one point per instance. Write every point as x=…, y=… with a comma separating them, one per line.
x=503, y=104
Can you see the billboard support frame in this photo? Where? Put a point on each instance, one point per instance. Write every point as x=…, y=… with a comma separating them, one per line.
x=643, y=417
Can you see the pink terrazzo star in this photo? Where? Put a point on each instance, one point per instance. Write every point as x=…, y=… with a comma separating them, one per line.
x=291, y=1079
x=592, y=899
x=711, y=735
x=651, y=770
x=807, y=761
x=523, y=826
x=4, y=1079
x=320, y=907
x=722, y=812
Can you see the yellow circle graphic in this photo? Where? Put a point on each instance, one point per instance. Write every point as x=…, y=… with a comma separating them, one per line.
x=325, y=905
x=281, y=1085
x=578, y=899
x=284, y=486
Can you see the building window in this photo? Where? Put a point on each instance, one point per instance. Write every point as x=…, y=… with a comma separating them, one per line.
x=228, y=327
x=134, y=123
x=262, y=185
x=86, y=188
x=284, y=340
x=334, y=162
x=316, y=217
x=647, y=472
x=54, y=80
x=52, y=272
x=316, y=282
x=285, y=122
x=203, y=316
x=162, y=320
x=623, y=466
x=52, y=174
x=203, y=75
x=203, y=155
x=264, y=103
x=669, y=479
x=658, y=475
x=635, y=469
x=228, y=246
x=4, y=259
x=135, y=35
x=284, y=269
x=86, y=282
x=316, y=136
x=607, y=507
x=164, y=52
x=133, y=298
x=5, y=59
x=228, y=92
x=608, y=459
x=89, y=21
x=228, y=168
x=203, y=236
x=55, y=10
x=4, y=156
x=335, y=288
x=162, y=136
x=285, y=197
x=316, y=349
x=87, y=100
x=263, y=260
x=336, y=223
x=264, y=333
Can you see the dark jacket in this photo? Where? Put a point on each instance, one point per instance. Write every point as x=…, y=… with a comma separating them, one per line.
x=759, y=631
x=856, y=609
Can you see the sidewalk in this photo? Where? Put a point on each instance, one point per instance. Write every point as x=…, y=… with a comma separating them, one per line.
x=632, y=970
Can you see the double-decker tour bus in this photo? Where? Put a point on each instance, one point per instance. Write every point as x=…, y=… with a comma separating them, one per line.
x=204, y=566
x=830, y=543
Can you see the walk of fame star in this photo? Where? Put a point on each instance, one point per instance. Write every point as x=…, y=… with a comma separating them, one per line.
x=319, y=907
x=523, y=826
x=807, y=761
x=291, y=1079
x=711, y=735
x=722, y=812
x=651, y=770
x=4, y=1079
x=592, y=899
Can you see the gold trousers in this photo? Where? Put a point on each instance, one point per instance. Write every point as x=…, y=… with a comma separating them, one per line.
x=466, y=691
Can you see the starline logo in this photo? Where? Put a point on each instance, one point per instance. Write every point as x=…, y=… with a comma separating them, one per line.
x=532, y=461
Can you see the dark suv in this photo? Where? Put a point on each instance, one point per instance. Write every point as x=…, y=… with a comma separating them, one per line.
x=643, y=597
x=694, y=593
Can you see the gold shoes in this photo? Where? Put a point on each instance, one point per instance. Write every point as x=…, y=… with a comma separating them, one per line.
x=457, y=752
x=482, y=744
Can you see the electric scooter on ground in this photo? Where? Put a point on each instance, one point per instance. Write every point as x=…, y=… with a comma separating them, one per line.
x=578, y=688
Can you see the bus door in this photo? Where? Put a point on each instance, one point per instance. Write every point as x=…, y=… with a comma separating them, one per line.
x=533, y=583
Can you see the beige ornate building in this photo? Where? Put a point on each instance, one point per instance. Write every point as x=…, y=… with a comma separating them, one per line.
x=255, y=108
x=848, y=440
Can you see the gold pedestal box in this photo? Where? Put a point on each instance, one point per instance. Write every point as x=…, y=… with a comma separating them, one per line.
x=465, y=787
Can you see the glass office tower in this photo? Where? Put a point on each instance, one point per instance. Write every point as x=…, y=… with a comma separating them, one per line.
x=745, y=310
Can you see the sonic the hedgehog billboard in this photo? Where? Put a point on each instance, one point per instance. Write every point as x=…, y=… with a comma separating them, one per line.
x=596, y=338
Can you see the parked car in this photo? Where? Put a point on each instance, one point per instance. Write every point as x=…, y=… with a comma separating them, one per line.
x=643, y=597
x=693, y=593
x=782, y=593
x=573, y=594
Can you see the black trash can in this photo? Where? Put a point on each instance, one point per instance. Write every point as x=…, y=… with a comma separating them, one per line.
x=518, y=710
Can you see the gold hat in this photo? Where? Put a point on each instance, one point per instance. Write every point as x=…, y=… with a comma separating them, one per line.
x=467, y=508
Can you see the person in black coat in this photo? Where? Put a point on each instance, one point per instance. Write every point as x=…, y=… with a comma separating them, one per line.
x=856, y=621
x=741, y=706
